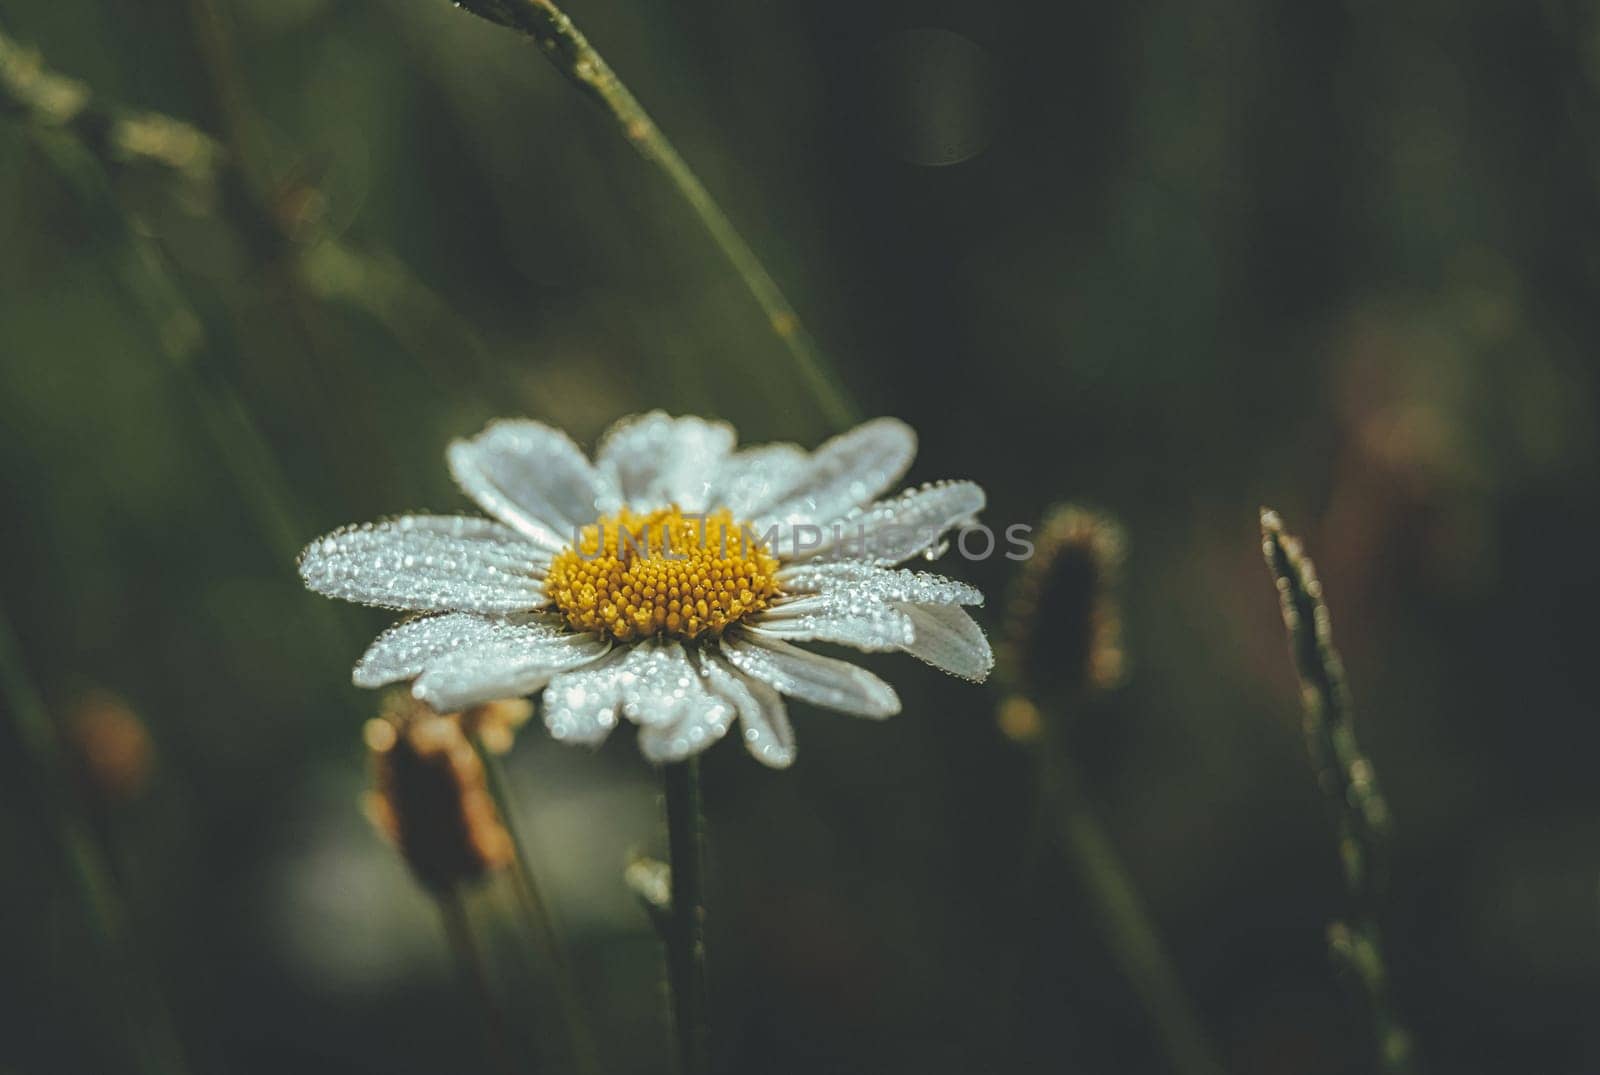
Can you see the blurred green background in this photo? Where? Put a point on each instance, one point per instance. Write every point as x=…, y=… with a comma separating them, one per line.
x=1177, y=260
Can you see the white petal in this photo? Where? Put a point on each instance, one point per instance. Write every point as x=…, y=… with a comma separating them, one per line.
x=703, y=720
x=809, y=677
x=894, y=530
x=763, y=718
x=521, y=660
x=658, y=685
x=751, y=480
x=651, y=683
x=404, y=650
x=846, y=472
x=581, y=706
x=839, y=616
x=885, y=584
x=950, y=640
x=529, y=476
x=653, y=460
x=428, y=563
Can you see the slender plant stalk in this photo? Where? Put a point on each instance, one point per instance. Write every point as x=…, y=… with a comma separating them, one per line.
x=1349, y=783
x=31, y=90
x=685, y=922
x=256, y=199
x=239, y=131
x=536, y=920
x=572, y=54
x=331, y=269
x=1062, y=652
x=475, y=976
x=181, y=338
x=138, y=997
x=1128, y=929
x=141, y=270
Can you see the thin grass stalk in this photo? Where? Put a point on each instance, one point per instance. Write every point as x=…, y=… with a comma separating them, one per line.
x=137, y=996
x=257, y=201
x=1349, y=783
x=56, y=129
x=685, y=923
x=373, y=281
x=565, y=46
x=85, y=140
x=1126, y=925
x=181, y=339
x=537, y=921
x=45, y=98
x=1062, y=651
x=474, y=975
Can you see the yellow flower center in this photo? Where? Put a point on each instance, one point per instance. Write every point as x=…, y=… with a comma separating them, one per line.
x=632, y=575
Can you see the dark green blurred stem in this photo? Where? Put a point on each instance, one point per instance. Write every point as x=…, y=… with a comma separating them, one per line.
x=375, y=282
x=566, y=47
x=44, y=98
x=239, y=132
x=255, y=197
x=1349, y=783
x=178, y=331
x=685, y=923
x=536, y=920
x=474, y=977
x=181, y=339
x=134, y=996
x=1125, y=924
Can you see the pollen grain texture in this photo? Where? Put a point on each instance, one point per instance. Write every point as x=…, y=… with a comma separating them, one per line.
x=632, y=575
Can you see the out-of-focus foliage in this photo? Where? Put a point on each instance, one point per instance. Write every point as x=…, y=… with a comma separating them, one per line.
x=1171, y=259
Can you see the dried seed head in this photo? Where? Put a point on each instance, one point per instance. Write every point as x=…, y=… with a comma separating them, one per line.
x=430, y=797
x=110, y=746
x=1063, y=630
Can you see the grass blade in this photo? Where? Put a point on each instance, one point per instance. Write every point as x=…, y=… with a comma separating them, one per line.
x=566, y=47
x=1348, y=781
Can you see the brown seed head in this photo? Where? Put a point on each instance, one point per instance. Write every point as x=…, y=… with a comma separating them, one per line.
x=430, y=797
x=1063, y=626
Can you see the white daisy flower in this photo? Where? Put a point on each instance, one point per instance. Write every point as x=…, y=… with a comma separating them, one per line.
x=666, y=582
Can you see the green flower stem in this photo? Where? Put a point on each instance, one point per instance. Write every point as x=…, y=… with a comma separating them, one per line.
x=536, y=920
x=1350, y=785
x=133, y=995
x=1135, y=944
x=474, y=976
x=566, y=47
x=685, y=923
